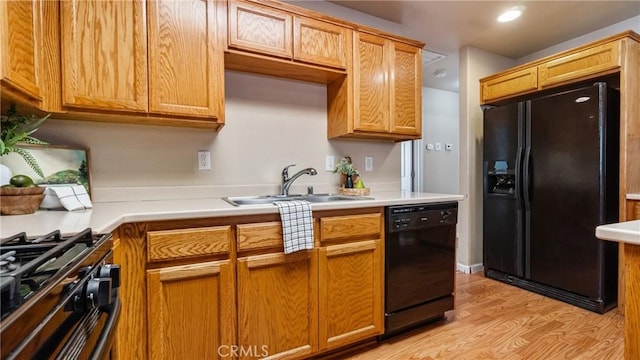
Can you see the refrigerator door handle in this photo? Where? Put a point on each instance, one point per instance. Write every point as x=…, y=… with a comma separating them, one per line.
x=526, y=179
x=518, y=176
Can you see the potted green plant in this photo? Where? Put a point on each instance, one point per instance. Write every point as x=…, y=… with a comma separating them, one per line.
x=348, y=174
x=16, y=129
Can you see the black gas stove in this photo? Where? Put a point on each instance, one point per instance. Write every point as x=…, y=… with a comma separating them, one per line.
x=59, y=296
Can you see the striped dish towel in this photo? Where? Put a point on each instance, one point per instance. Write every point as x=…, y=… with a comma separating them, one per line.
x=297, y=225
x=72, y=197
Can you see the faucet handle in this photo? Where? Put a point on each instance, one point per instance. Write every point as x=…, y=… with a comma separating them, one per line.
x=285, y=172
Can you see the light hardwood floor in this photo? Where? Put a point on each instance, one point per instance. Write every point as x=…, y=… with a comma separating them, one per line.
x=493, y=320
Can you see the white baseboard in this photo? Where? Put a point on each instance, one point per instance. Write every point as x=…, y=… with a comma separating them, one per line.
x=469, y=269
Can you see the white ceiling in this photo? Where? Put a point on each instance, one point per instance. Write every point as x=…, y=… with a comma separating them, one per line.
x=447, y=26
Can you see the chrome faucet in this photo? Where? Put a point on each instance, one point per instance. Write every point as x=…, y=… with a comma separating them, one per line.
x=287, y=181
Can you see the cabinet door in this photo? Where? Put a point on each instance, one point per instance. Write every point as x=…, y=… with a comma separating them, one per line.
x=278, y=305
x=191, y=311
x=371, y=83
x=186, y=70
x=511, y=84
x=406, y=90
x=320, y=43
x=351, y=292
x=104, y=54
x=19, y=34
x=260, y=29
x=586, y=63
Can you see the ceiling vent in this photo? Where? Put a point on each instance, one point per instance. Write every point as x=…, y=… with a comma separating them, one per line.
x=429, y=57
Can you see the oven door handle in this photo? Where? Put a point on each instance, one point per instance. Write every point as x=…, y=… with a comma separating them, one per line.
x=103, y=345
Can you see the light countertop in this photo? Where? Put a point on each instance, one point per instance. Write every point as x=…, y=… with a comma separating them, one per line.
x=625, y=232
x=107, y=216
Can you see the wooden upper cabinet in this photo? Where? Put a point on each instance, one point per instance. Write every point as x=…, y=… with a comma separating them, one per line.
x=406, y=90
x=371, y=83
x=320, y=43
x=104, y=55
x=510, y=84
x=191, y=311
x=590, y=61
x=260, y=29
x=584, y=63
x=20, y=31
x=387, y=89
x=186, y=65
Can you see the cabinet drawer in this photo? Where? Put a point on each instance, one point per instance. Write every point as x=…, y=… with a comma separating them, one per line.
x=183, y=243
x=259, y=236
x=260, y=29
x=588, y=62
x=319, y=43
x=341, y=227
x=510, y=84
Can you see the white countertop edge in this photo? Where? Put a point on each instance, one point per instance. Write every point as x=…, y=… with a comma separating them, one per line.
x=633, y=196
x=625, y=232
x=106, y=217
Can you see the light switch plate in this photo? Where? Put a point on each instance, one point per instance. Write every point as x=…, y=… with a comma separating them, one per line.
x=430, y=147
x=438, y=146
x=368, y=163
x=448, y=147
x=329, y=163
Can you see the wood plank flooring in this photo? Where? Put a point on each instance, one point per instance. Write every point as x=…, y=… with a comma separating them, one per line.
x=493, y=320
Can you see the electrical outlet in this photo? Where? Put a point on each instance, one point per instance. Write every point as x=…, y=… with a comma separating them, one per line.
x=438, y=146
x=429, y=147
x=368, y=163
x=204, y=160
x=448, y=147
x=330, y=163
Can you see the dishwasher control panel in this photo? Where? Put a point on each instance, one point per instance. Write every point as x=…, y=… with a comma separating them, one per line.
x=411, y=217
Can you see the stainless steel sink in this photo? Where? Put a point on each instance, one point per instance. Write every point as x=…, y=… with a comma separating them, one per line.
x=268, y=199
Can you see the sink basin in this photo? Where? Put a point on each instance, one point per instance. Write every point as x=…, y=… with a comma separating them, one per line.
x=268, y=199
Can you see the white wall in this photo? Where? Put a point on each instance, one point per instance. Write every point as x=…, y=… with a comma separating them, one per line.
x=341, y=12
x=440, y=123
x=270, y=123
x=474, y=65
x=629, y=24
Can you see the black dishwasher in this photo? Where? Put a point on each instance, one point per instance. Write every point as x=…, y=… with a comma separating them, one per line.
x=419, y=264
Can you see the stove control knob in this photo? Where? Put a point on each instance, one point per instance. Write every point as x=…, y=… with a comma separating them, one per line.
x=98, y=293
x=110, y=271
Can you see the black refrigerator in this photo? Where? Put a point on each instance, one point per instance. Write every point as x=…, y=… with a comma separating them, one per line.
x=550, y=177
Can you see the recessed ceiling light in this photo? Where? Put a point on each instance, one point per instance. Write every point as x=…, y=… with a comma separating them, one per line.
x=510, y=14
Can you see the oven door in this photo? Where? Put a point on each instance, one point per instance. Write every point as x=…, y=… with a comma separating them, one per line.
x=94, y=334
x=81, y=326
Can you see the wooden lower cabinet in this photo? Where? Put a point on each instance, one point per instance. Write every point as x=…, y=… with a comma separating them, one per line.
x=633, y=210
x=351, y=292
x=191, y=311
x=278, y=305
x=222, y=288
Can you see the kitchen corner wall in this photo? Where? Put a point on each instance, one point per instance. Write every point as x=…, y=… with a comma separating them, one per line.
x=474, y=65
x=270, y=123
